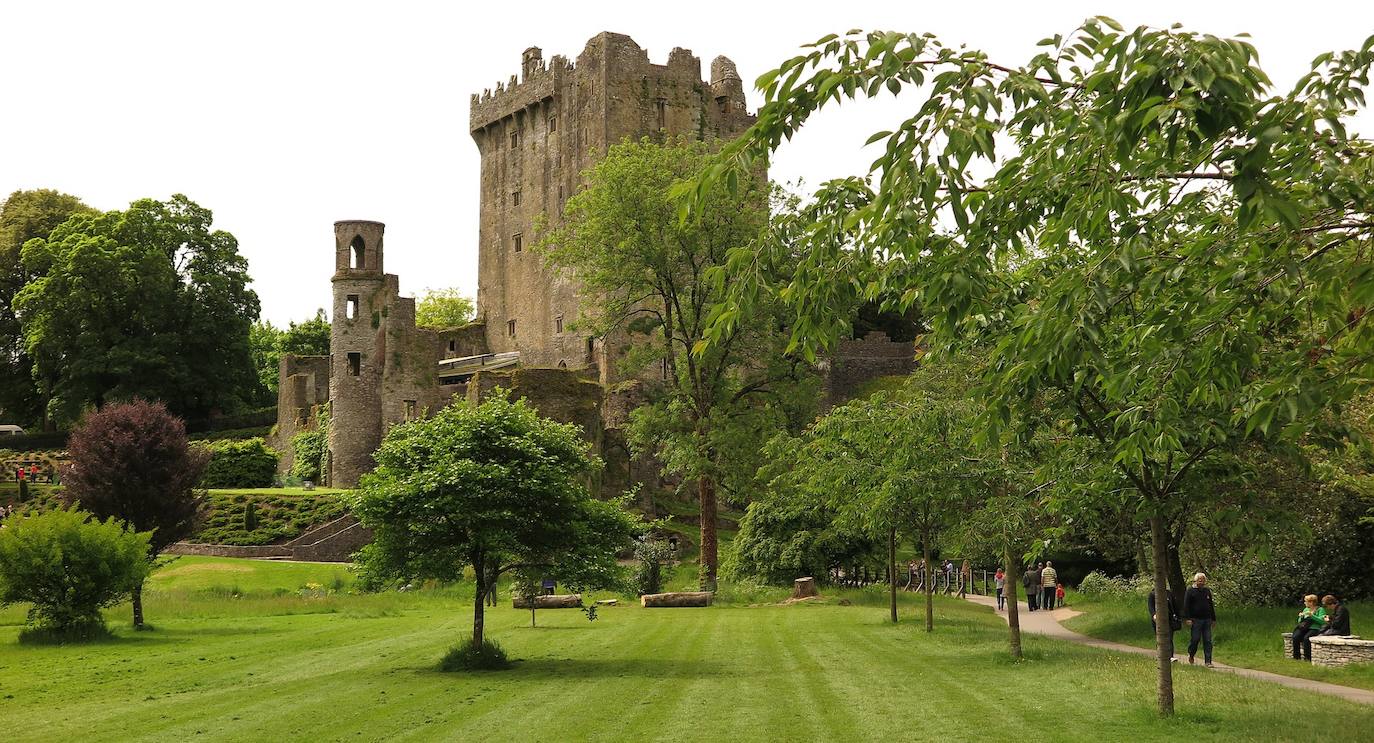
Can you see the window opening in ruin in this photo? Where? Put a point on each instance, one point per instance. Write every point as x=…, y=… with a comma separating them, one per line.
x=410, y=409
x=590, y=348
x=562, y=364
x=519, y=242
x=515, y=198
x=452, y=346
x=723, y=103
x=510, y=328
x=558, y=324
x=662, y=104
x=355, y=364
x=359, y=252
x=353, y=303
x=553, y=124
x=560, y=193
x=514, y=139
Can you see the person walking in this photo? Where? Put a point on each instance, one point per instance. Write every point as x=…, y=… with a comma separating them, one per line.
x=1175, y=624
x=1200, y=613
x=1049, y=580
x=1028, y=582
x=1000, y=581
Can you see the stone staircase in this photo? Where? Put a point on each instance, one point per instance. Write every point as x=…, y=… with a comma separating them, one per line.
x=333, y=541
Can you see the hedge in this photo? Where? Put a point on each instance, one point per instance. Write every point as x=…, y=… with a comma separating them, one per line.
x=248, y=419
x=249, y=463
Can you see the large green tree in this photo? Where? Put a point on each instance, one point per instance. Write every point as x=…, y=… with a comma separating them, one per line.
x=647, y=287
x=269, y=343
x=493, y=487
x=1168, y=249
x=444, y=308
x=150, y=301
x=24, y=216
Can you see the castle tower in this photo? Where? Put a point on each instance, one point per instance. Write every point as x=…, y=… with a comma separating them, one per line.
x=357, y=344
x=537, y=133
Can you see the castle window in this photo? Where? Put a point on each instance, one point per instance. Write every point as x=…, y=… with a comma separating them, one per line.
x=514, y=139
x=590, y=348
x=553, y=124
x=352, y=312
x=519, y=242
x=560, y=193
x=662, y=106
x=558, y=324
x=359, y=252
x=510, y=328
x=410, y=410
x=452, y=346
x=355, y=364
x=515, y=198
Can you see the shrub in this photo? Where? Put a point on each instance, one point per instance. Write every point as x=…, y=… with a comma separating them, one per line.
x=648, y=577
x=466, y=657
x=781, y=539
x=309, y=449
x=69, y=566
x=249, y=463
x=1098, y=583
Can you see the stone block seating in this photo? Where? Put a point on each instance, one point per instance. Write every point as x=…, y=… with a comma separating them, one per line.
x=1333, y=650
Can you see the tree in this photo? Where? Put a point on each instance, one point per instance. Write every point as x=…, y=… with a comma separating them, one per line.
x=646, y=280
x=145, y=302
x=444, y=308
x=493, y=487
x=269, y=343
x=24, y=216
x=1174, y=253
x=131, y=461
x=69, y=566
x=894, y=464
x=785, y=535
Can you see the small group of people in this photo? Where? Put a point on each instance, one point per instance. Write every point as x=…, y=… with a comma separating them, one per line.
x=1199, y=615
x=1329, y=617
x=29, y=473
x=8, y=511
x=1043, y=589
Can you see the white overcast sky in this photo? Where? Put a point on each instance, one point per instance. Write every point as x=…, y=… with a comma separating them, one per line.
x=283, y=117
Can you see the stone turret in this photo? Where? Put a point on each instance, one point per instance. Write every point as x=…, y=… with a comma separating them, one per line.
x=357, y=347
x=726, y=86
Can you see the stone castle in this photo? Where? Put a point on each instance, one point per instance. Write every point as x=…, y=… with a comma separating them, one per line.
x=536, y=134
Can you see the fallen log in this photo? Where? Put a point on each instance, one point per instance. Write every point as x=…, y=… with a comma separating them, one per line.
x=566, y=601
x=683, y=598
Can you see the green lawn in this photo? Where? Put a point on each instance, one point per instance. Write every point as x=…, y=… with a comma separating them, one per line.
x=293, y=667
x=1244, y=636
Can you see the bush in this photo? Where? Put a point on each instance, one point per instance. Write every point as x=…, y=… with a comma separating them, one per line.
x=309, y=450
x=648, y=577
x=69, y=566
x=250, y=463
x=782, y=539
x=489, y=657
x=248, y=419
x=1098, y=583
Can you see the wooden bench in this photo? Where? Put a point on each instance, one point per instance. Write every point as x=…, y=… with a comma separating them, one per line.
x=1335, y=650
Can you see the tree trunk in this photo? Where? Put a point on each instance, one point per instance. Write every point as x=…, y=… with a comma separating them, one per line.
x=138, y=605
x=479, y=598
x=685, y=598
x=892, y=571
x=930, y=580
x=1013, y=616
x=706, y=494
x=1163, y=632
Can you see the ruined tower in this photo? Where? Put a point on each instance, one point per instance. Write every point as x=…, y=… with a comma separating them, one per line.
x=536, y=134
x=357, y=347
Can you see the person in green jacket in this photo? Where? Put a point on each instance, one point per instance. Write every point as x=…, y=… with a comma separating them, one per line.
x=1311, y=621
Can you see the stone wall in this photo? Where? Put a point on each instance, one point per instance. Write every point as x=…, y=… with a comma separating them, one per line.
x=857, y=362
x=1340, y=651
x=302, y=386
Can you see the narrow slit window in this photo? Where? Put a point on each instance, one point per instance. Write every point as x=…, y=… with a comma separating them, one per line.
x=662, y=106
x=355, y=364
x=514, y=139
x=519, y=242
x=560, y=193
x=510, y=328
x=515, y=198
x=452, y=346
x=359, y=252
x=558, y=324
x=353, y=302
x=553, y=124
x=590, y=348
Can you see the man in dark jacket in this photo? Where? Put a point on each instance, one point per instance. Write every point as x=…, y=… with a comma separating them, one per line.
x=1032, y=585
x=1337, y=617
x=1200, y=612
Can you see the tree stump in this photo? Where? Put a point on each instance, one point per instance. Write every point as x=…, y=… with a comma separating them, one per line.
x=566, y=601
x=804, y=588
x=685, y=598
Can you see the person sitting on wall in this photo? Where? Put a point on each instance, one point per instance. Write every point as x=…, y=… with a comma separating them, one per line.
x=1337, y=618
x=1311, y=621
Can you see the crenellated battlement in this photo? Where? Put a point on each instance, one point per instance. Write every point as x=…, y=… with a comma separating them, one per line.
x=541, y=80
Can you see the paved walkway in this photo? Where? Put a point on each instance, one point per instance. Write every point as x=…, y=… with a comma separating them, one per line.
x=1047, y=623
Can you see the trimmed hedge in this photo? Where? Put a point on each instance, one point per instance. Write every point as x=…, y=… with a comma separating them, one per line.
x=249, y=463
x=275, y=518
x=256, y=432
x=248, y=419
x=36, y=441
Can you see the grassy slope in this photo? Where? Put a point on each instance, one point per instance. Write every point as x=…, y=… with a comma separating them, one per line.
x=361, y=668
x=1247, y=636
